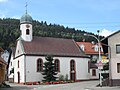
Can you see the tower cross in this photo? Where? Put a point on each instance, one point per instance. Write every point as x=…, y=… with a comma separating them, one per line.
x=26, y=6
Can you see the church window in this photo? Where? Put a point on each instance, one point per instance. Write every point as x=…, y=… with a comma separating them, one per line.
x=18, y=51
x=11, y=63
x=39, y=65
x=27, y=31
x=57, y=65
x=18, y=64
x=72, y=65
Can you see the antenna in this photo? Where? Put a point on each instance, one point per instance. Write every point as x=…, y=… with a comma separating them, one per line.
x=26, y=7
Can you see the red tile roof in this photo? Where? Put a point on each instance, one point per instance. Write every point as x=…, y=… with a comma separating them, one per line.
x=89, y=47
x=52, y=46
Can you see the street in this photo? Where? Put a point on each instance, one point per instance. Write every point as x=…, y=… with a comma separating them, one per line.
x=84, y=85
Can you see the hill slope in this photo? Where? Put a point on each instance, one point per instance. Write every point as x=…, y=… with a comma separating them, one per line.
x=9, y=32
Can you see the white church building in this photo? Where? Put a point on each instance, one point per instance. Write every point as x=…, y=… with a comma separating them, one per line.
x=31, y=51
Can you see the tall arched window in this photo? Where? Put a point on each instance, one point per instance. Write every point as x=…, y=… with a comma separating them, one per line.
x=39, y=65
x=57, y=65
x=27, y=31
x=72, y=65
x=18, y=64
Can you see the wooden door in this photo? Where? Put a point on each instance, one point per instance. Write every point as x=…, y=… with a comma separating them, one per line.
x=18, y=77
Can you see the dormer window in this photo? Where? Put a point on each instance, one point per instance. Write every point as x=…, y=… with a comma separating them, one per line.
x=96, y=48
x=82, y=47
x=27, y=31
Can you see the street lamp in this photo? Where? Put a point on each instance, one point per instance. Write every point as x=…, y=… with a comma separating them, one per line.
x=98, y=40
x=109, y=52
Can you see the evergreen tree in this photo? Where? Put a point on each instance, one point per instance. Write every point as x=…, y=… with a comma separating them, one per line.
x=49, y=71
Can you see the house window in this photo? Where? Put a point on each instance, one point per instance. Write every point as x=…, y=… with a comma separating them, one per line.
x=27, y=31
x=118, y=67
x=39, y=65
x=93, y=72
x=118, y=48
x=57, y=65
x=82, y=47
x=72, y=65
x=18, y=64
x=96, y=48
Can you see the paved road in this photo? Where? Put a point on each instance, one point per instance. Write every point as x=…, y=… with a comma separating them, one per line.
x=85, y=85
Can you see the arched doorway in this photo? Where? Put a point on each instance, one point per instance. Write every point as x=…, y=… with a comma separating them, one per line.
x=72, y=70
x=18, y=77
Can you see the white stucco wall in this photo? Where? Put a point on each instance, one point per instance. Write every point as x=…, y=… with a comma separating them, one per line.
x=20, y=69
x=81, y=68
x=23, y=30
x=31, y=69
x=28, y=68
x=115, y=58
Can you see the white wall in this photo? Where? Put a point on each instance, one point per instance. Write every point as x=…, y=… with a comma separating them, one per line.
x=81, y=68
x=115, y=58
x=20, y=69
x=31, y=69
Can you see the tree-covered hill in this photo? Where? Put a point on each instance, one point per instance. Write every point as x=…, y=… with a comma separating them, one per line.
x=9, y=32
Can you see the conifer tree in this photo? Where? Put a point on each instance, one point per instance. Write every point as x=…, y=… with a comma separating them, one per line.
x=49, y=71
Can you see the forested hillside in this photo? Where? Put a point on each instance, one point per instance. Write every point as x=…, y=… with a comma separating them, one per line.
x=9, y=32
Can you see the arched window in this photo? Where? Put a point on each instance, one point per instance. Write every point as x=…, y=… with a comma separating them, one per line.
x=18, y=64
x=57, y=65
x=39, y=65
x=72, y=65
x=27, y=31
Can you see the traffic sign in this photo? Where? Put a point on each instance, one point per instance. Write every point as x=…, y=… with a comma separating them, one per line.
x=100, y=65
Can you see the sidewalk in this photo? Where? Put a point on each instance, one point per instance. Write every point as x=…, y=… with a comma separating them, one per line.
x=83, y=85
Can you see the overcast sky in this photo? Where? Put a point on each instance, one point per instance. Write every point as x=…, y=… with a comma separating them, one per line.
x=88, y=15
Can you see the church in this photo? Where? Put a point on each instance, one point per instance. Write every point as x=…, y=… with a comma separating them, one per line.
x=31, y=51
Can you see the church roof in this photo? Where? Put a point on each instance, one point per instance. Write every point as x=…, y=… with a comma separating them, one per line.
x=52, y=46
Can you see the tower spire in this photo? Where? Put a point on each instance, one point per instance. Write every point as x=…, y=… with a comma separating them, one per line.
x=26, y=7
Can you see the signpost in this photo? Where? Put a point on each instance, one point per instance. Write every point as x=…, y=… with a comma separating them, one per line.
x=100, y=65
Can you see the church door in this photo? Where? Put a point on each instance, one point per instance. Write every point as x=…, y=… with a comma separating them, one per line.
x=72, y=70
x=18, y=77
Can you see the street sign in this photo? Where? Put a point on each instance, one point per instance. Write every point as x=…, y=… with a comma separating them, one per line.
x=100, y=65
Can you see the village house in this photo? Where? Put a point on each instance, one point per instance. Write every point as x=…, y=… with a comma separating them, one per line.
x=31, y=51
x=91, y=49
x=114, y=50
x=3, y=65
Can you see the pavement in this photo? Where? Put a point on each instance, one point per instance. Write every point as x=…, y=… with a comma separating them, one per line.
x=84, y=85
